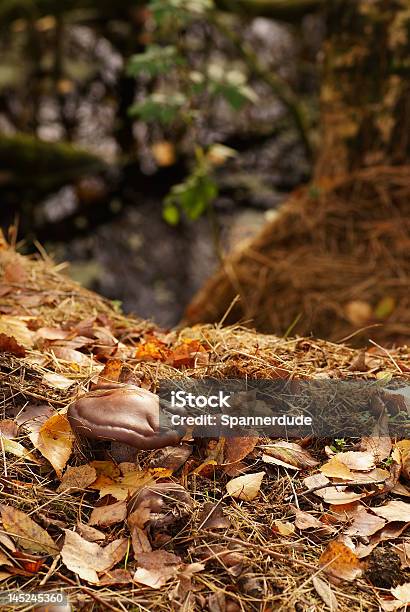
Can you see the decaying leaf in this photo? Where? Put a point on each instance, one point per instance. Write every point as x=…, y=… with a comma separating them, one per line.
x=339, y=561
x=27, y=533
x=324, y=590
x=172, y=457
x=336, y=469
x=90, y=533
x=357, y=460
x=103, y=516
x=8, y=344
x=16, y=327
x=156, y=568
x=55, y=441
x=77, y=478
x=389, y=532
x=284, y=528
x=335, y=495
x=305, y=520
x=212, y=517
x=58, y=381
x=365, y=523
x=291, y=453
x=237, y=449
x=87, y=559
x=401, y=599
x=395, y=510
x=275, y=461
x=127, y=485
x=245, y=487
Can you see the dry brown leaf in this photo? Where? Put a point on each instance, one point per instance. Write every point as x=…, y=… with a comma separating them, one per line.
x=139, y=539
x=156, y=568
x=324, y=590
x=403, y=448
x=304, y=520
x=87, y=559
x=8, y=429
x=389, y=532
x=279, y=462
x=335, y=495
x=90, y=533
x=8, y=344
x=28, y=534
x=237, y=449
x=291, y=453
x=245, y=487
x=402, y=593
x=395, y=510
x=51, y=333
x=357, y=460
x=340, y=562
x=365, y=523
x=172, y=457
x=113, y=577
x=4, y=560
x=284, y=528
x=16, y=327
x=77, y=478
x=127, y=485
x=336, y=469
x=403, y=551
x=73, y=356
x=55, y=441
x=4, y=576
x=58, y=381
x=103, y=516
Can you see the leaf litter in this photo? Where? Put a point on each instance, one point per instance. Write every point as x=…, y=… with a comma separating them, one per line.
x=158, y=530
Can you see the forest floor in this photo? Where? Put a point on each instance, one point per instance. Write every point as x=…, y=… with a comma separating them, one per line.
x=247, y=523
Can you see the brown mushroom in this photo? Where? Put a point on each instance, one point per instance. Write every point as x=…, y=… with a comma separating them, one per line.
x=125, y=413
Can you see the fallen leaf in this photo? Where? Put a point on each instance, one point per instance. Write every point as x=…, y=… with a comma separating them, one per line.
x=127, y=485
x=357, y=460
x=305, y=520
x=324, y=590
x=139, y=539
x=8, y=429
x=245, y=487
x=16, y=327
x=403, y=551
x=336, y=469
x=77, y=478
x=279, y=462
x=55, y=441
x=365, y=523
x=331, y=494
x=8, y=344
x=73, y=356
x=403, y=448
x=172, y=457
x=389, y=532
x=111, y=372
x=90, y=533
x=51, y=333
x=16, y=449
x=395, y=510
x=104, y=516
x=291, y=453
x=156, y=568
x=118, y=576
x=284, y=528
x=237, y=449
x=402, y=593
x=87, y=559
x=58, y=381
x=28, y=534
x=339, y=561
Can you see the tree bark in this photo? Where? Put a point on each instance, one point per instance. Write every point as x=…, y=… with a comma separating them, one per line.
x=365, y=104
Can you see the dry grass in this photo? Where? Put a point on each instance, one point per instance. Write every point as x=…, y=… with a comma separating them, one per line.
x=330, y=246
x=274, y=572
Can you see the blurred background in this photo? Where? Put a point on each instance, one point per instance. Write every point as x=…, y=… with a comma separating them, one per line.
x=142, y=140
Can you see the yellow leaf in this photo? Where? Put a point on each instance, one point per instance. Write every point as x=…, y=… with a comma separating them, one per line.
x=29, y=535
x=55, y=442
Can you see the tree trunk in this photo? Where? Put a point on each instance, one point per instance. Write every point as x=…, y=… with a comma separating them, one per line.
x=336, y=259
x=365, y=104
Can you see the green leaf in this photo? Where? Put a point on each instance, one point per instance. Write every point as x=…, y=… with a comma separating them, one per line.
x=154, y=61
x=158, y=107
x=170, y=214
